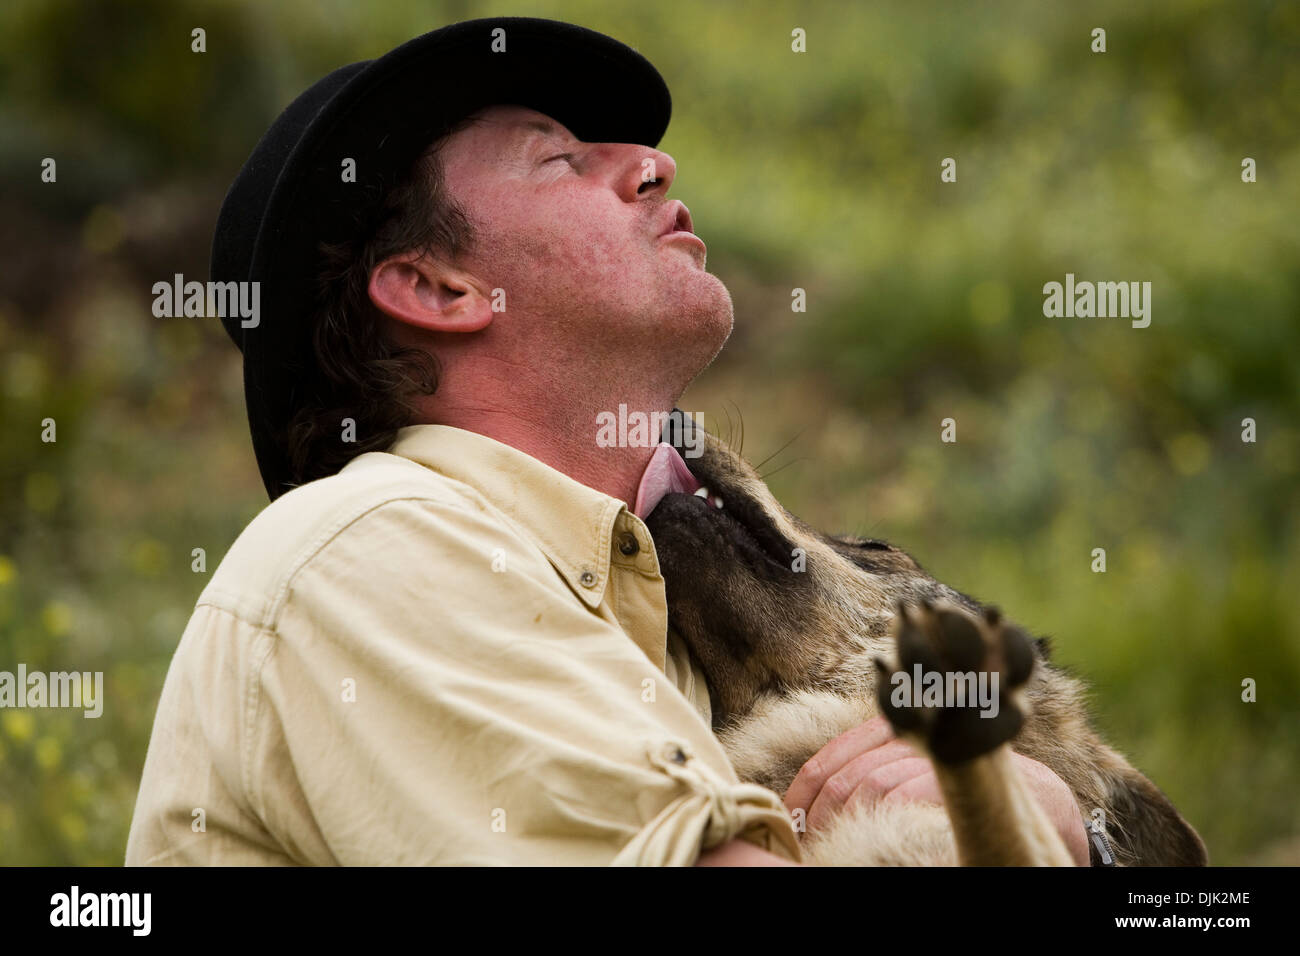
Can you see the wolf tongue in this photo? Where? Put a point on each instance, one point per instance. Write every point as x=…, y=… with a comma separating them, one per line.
x=665, y=474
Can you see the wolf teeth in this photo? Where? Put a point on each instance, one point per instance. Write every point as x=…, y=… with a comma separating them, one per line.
x=703, y=492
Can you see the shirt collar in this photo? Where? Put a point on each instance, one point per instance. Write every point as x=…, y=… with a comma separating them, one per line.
x=572, y=523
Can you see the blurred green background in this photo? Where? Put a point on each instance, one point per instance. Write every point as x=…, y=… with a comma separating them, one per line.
x=818, y=171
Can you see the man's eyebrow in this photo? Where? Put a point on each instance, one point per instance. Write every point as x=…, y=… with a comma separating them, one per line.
x=540, y=126
x=535, y=127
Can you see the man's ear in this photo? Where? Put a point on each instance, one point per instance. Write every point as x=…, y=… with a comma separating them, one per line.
x=416, y=289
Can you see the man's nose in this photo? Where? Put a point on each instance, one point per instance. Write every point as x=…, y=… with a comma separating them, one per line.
x=657, y=171
x=640, y=170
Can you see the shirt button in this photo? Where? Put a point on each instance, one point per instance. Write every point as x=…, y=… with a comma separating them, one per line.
x=675, y=753
x=628, y=544
x=587, y=579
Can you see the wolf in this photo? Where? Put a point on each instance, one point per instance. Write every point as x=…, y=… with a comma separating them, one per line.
x=800, y=635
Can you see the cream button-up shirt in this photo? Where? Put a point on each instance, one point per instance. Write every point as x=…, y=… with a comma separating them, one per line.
x=448, y=653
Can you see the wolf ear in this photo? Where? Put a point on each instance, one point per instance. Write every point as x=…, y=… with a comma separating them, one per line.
x=1150, y=831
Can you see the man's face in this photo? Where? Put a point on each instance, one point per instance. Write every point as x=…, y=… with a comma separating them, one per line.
x=575, y=236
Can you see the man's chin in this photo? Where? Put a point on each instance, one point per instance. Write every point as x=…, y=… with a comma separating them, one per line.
x=726, y=321
x=705, y=326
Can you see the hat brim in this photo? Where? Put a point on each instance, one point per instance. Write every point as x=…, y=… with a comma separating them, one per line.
x=382, y=114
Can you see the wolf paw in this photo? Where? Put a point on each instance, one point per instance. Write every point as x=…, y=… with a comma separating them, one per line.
x=957, y=680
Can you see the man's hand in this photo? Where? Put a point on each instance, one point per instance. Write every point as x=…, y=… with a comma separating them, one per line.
x=869, y=763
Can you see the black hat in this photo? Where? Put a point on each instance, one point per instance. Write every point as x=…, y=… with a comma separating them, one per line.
x=290, y=194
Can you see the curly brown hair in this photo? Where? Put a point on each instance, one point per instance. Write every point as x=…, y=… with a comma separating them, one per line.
x=358, y=373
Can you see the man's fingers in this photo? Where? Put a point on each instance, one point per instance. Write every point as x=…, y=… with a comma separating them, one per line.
x=828, y=761
x=868, y=763
x=923, y=788
x=867, y=777
x=885, y=780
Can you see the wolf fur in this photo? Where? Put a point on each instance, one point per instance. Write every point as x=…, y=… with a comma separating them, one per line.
x=792, y=628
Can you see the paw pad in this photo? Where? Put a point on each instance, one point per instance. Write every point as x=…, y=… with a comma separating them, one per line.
x=957, y=679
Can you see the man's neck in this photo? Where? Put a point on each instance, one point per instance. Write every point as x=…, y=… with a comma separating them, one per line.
x=566, y=441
